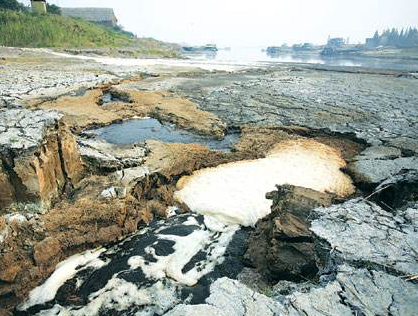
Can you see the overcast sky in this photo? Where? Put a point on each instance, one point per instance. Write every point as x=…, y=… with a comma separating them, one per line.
x=256, y=22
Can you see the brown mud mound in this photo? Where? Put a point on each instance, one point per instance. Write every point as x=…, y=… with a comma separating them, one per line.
x=83, y=111
x=92, y=109
x=166, y=107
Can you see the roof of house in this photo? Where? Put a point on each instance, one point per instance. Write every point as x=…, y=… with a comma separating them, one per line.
x=90, y=14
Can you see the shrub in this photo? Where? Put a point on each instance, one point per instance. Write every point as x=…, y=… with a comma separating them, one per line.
x=11, y=5
x=53, y=9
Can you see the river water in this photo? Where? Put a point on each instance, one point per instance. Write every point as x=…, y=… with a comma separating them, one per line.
x=240, y=58
x=253, y=55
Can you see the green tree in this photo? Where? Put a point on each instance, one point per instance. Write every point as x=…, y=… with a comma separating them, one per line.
x=11, y=5
x=53, y=9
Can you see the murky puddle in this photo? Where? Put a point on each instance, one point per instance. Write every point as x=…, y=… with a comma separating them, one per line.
x=137, y=130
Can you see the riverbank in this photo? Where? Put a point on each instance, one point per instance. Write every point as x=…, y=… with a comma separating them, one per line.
x=24, y=29
x=340, y=227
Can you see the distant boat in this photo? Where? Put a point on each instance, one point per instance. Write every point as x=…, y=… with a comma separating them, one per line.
x=273, y=50
x=206, y=48
x=336, y=51
x=277, y=50
x=305, y=47
x=210, y=48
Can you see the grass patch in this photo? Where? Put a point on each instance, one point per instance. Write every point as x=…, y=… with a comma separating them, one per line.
x=23, y=29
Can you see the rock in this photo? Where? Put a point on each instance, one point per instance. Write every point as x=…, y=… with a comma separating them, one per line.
x=380, y=152
x=406, y=143
x=195, y=310
x=130, y=177
x=70, y=155
x=319, y=302
x=103, y=156
x=361, y=232
x=357, y=292
x=24, y=129
x=253, y=280
x=109, y=193
x=284, y=288
x=282, y=245
x=46, y=250
x=229, y=297
x=397, y=191
x=8, y=273
x=7, y=192
x=378, y=163
x=374, y=171
x=236, y=299
x=172, y=159
x=42, y=174
x=39, y=157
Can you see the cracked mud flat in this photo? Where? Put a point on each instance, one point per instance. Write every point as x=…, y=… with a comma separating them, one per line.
x=337, y=236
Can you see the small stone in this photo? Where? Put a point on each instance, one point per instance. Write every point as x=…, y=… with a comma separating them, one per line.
x=45, y=250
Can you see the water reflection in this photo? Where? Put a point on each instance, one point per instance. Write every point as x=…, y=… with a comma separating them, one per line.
x=210, y=55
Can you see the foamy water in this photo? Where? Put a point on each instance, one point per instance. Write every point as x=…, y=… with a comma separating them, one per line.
x=144, y=63
x=235, y=192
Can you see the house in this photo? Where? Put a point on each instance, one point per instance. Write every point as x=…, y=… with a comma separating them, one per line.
x=38, y=6
x=337, y=42
x=104, y=16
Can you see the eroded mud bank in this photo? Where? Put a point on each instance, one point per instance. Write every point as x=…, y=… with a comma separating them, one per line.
x=125, y=185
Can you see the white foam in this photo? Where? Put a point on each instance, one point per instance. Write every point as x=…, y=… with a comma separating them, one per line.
x=63, y=272
x=120, y=295
x=165, y=62
x=235, y=193
x=185, y=248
